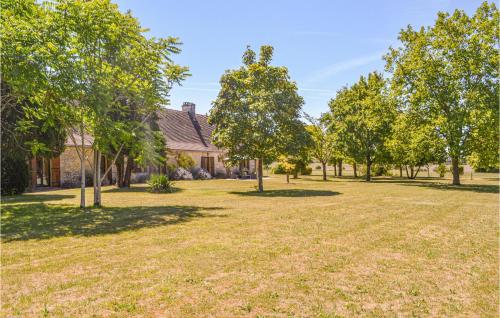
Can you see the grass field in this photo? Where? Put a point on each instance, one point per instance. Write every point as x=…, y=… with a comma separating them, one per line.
x=218, y=249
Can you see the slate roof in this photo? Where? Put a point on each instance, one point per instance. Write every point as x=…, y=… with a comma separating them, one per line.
x=184, y=131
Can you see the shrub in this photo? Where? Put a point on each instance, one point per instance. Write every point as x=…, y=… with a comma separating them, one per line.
x=220, y=175
x=279, y=169
x=185, y=161
x=201, y=174
x=488, y=169
x=181, y=174
x=380, y=170
x=15, y=175
x=441, y=169
x=318, y=168
x=170, y=166
x=306, y=171
x=160, y=184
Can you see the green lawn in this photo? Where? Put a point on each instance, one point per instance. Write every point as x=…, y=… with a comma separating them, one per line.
x=217, y=249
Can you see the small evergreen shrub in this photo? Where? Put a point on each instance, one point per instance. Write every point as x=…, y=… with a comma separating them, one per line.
x=201, y=174
x=160, y=184
x=181, y=174
x=15, y=175
x=441, y=169
x=318, y=168
x=185, y=161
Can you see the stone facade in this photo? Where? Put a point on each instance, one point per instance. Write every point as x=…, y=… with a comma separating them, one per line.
x=70, y=167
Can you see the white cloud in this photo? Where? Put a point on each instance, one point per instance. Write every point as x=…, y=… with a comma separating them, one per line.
x=343, y=66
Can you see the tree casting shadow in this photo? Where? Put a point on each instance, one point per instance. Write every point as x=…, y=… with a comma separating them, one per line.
x=43, y=221
x=292, y=193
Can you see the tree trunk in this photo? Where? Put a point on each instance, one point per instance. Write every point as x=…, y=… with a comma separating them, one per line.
x=82, y=168
x=335, y=169
x=368, y=168
x=296, y=173
x=455, y=171
x=94, y=175
x=128, y=172
x=411, y=172
x=340, y=168
x=259, y=176
x=400, y=171
x=416, y=172
x=97, y=178
x=287, y=177
x=323, y=164
x=355, y=168
x=119, y=173
x=428, y=171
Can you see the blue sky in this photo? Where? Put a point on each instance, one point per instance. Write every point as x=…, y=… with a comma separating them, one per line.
x=324, y=44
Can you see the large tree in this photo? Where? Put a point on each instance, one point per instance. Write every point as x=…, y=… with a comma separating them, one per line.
x=256, y=113
x=362, y=114
x=450, y=71
x=85, y=61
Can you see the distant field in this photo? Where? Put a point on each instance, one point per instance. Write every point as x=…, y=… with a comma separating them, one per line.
x=216, y=248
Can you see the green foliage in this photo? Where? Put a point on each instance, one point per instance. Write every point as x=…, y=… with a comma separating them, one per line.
x=160, y=184
x=441, y=169
x=460, y=170
x=279, y=169
x=256, y=113
x=449, y=71
x=381, y=170
x=361, y=116
x=306, y=171
x=184, y=161
x=15, y=174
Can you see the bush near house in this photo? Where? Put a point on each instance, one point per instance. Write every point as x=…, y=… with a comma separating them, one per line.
x=181, y=174
x=201, y=174
x=185, y=161
x=160, y=184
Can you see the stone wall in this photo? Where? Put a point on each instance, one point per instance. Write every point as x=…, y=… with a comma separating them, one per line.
x=70, y=167
x=196, y=155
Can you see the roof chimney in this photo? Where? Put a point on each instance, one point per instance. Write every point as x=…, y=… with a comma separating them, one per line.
x=189, y=107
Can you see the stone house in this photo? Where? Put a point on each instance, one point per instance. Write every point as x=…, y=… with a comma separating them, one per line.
x=184, y=130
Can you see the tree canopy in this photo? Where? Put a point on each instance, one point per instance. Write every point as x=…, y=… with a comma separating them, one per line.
x=256, y=113
x=450, y=71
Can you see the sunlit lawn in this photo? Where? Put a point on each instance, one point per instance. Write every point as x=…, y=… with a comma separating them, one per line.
x=217, y=249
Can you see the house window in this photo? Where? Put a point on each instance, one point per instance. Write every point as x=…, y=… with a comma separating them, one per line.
x=208, y=163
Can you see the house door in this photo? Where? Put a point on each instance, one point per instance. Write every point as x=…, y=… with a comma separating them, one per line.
x=42, y=172
x=208, y=163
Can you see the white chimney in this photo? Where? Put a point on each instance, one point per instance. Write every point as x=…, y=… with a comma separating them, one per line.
x=189, y=107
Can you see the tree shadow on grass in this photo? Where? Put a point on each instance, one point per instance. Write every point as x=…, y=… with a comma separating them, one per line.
x=43, y=221
x=135, y=189
x=291, y=193
x=480, y=188
x=35, y=197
